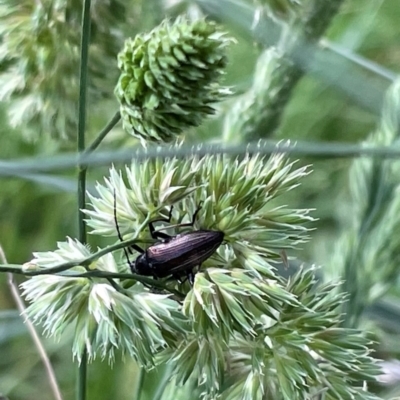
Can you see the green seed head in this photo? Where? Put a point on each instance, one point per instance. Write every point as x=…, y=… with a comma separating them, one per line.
x=169, y=78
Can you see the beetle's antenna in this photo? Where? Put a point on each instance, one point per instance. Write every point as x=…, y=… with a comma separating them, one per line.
x=118, y=230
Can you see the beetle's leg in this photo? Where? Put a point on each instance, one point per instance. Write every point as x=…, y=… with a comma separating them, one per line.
x=178, y=278
x=135, y=247
x=192, y=222
x=157, y=234
x=196, y=212
x=190, y=277
x=149, y=286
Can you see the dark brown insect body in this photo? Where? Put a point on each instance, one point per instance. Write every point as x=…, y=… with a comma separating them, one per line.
x=178, y=254
x=174, y=256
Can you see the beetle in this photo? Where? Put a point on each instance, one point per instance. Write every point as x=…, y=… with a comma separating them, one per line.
x=174, y=256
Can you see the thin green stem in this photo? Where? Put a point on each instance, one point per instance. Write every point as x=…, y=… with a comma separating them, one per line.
x=360, y=61
x=81, y=204
x=85, y=41
x=325, y=150
x=93, y=146
x=82, y=377
x=17, y=269
x=33, y=270
x=139, y=385
x=163, y=383
x=114, y=275
x=32, y=331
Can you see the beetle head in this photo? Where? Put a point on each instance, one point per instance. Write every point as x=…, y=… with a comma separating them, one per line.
x=142, y=266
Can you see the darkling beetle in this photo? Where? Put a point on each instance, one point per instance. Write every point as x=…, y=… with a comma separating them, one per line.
x=174, y=256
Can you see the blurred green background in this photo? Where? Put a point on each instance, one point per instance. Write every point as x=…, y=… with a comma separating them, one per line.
x=338, y=99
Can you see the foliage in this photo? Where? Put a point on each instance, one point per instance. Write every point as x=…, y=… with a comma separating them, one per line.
x=255, y=111
x=169, y=77
x=39, y=56
x=252, y=319
x=238, y=307
x=370, y=234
